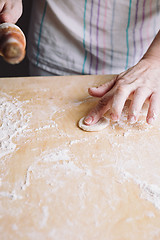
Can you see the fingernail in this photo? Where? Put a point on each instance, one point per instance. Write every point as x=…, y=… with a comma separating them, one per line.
x=88, y=120
x=93, y=88
x=114, y=117
x=150, y=120
x=132, y=119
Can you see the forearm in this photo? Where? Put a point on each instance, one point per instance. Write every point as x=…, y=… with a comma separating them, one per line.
x=153, y=52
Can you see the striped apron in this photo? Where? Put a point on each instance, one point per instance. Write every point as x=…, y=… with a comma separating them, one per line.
x=91, y=36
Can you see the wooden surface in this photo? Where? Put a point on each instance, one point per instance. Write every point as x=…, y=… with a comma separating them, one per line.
x=59, y=182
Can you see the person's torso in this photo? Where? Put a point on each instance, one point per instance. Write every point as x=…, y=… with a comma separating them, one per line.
x=93, y=36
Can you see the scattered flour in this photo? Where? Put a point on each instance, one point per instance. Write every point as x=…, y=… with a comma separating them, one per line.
x=13, y=120
x=46, y=127
x=79, y=102
x=75, y=141
x=150, y=214
x=128, y=128
x=55, y=156
x=27, y=180
x=149, y=192
x=64, y=160
x=11, y=195
x=44, y=220
x=14, y=227
x=63, y=163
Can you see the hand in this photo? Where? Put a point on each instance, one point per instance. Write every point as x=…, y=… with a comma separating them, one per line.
x=142, y=81
x=10, y=10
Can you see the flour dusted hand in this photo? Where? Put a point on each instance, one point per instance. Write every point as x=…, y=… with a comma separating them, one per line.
x=141, y=81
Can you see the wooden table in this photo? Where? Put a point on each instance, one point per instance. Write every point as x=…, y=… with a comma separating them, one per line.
x=59, y=182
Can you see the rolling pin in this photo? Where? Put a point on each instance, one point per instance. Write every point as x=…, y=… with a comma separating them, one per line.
x=12, y=43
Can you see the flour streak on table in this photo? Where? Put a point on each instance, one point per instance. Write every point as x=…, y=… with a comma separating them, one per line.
x=69, y=184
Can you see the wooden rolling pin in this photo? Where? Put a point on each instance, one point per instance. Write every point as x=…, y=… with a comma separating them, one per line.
x=12, y=43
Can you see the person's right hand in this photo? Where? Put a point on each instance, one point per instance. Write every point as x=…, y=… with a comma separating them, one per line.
x=10, y=10
x=141, y=81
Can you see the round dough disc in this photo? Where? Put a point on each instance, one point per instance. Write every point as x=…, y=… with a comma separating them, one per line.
x=100, y=125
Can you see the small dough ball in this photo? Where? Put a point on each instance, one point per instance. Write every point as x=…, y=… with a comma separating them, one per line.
x=100, y=125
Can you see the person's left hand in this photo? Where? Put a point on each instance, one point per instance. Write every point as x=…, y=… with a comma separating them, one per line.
x=142, y=81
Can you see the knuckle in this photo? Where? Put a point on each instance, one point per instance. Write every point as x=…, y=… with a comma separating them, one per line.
x=102, y=103
x=121, y=89
x=119, y=82
x=121, y=75
x=5, y=18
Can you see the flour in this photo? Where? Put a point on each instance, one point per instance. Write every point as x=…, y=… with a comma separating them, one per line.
x=12, y=195
x=62, y=162
x=150, y=214
x=55, y=156
x=27, y=180
x=149, y=192
x=54, y=109
x=128, y=127
x=51, y=125
x=78, y=102
x=13, y=120
x=14, y=227
x=89, y=173
x=45, y=127
x=75, y=141
x=138, y=162
x=45, y=211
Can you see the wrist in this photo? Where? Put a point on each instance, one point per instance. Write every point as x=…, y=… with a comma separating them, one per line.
x=153, y=52
x=151, y=59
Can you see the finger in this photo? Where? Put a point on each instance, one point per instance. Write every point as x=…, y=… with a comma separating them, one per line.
x=153, y=109
x=2, y=3
x=118, y=102
x=5, y=16
x=139, y=98
x=96, y=113
x=103, y=89
x=10, y=13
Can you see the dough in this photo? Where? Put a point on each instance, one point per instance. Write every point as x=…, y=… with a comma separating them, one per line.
x=100, y=125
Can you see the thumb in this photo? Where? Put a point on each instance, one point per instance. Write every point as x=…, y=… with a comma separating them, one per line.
x=103, y=89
